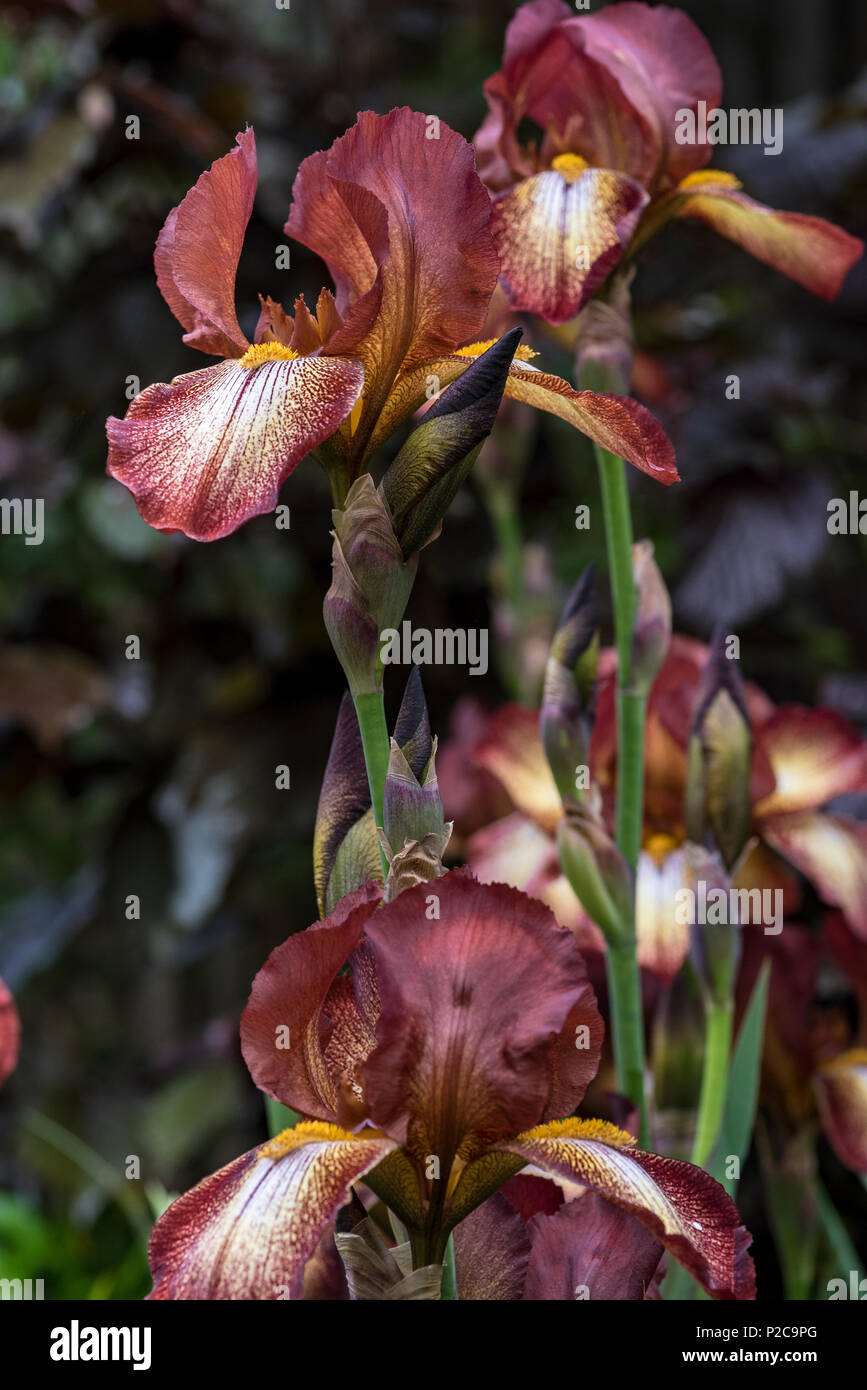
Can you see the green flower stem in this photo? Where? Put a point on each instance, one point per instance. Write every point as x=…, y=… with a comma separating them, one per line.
x=627, y=1024
x=370, y=708
x=501, y=500
x=624, y=980
x=714, y=1079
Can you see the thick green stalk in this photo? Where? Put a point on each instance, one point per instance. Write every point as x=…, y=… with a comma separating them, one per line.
x=624, y=979
x=714, y=1079
x=370, y=708
x=627, y=1022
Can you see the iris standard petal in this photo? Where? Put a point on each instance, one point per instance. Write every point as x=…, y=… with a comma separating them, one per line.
x=288, y=1027
x=477, y=983
x=197, y=251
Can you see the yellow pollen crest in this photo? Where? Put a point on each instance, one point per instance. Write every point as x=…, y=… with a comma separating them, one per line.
x=573, y=1128
x=258, y=353
x=659, y=847
x=705, y=177
x=307, y=1132
x=571, y=166
x=522, y=352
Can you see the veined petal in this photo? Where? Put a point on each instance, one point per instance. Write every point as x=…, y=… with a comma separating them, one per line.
x=841, y=1090
x=618, y=423
x=492, y=1247
x=550, y=77
x=681, y=1205
x=513, y=850
x=663, y=64
x=291, y=1027
x=198, y=250
x=589, y=1249
x=831, y=851
x=10, y=1033
x=247, y=1231
x=663, y=941
x=512, y=751
x=207, y=452
x=815, y=754
x=432, y=265
x=815, y=253
x=472, y=1006
x=559, y=237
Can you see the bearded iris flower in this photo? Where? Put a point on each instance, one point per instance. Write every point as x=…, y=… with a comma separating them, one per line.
x=434, y=1070
x=402, y=222
x=605, y=90
x=803, y=759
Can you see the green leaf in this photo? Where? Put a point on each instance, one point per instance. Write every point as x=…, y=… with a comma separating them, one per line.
x=743, y=1084
x=279, y=1116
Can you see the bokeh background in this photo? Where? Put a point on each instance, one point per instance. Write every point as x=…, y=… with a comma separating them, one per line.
x=155, y=776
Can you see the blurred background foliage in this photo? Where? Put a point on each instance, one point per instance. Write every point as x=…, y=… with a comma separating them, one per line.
x=155, y=777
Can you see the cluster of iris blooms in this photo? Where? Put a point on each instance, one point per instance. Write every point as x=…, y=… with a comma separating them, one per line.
x=436, y=1030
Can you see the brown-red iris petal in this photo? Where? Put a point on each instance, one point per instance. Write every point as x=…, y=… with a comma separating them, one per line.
x=811, y=251
x=437, y=267
x=590, y=1249
x=197, y=251
x=247, y=1231
x=663, y=64
x=473, y=1003
x=559, y=238
x=291, y=992
x=210, y=450
x=679, y=1204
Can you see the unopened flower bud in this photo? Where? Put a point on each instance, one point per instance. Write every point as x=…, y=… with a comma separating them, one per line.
x=569, y=696
x=412, y=805
x=715, y=938
x=596, y=870
x=652, y=631
x=718, y=802
x=370, y=584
